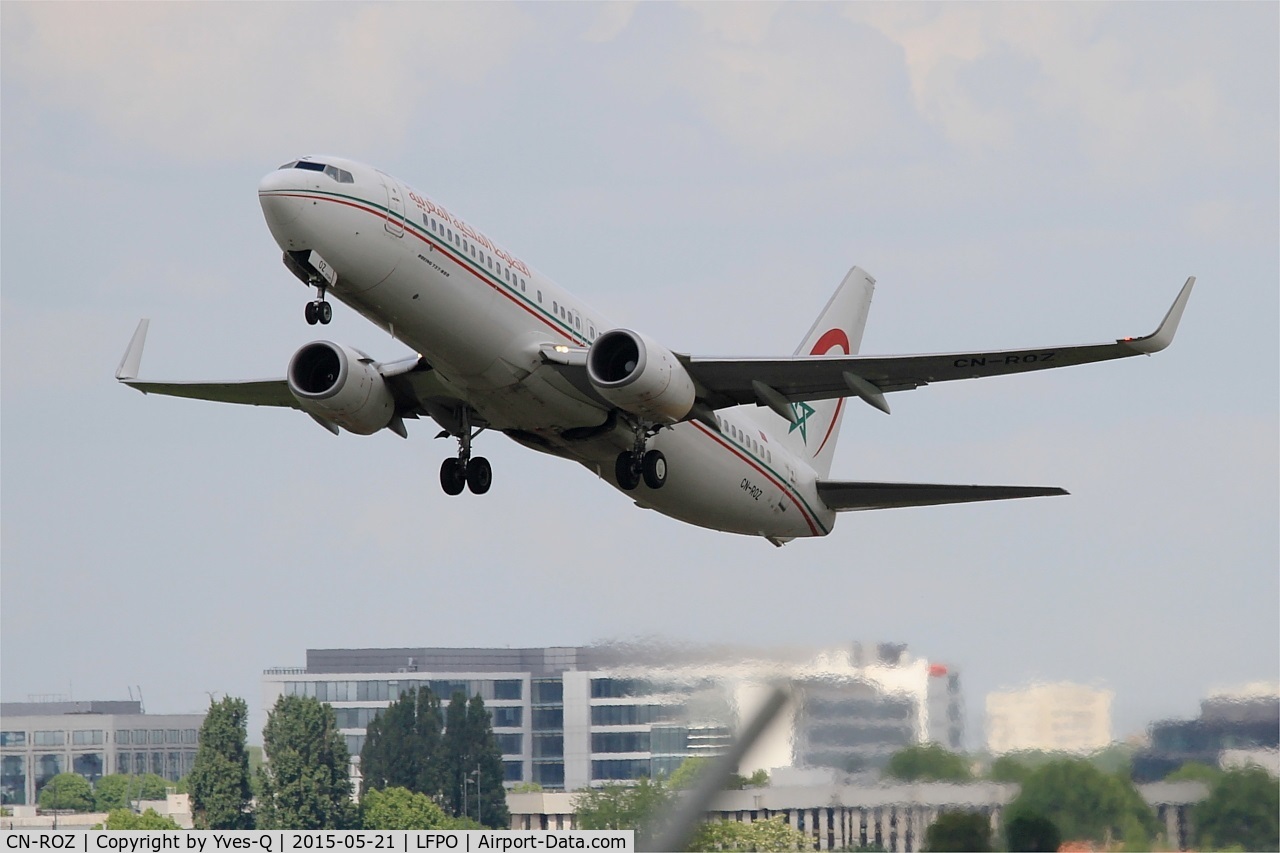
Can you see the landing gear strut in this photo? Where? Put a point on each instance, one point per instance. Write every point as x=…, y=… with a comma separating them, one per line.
x=638, y=464
x=319, y=311
x=474, y=473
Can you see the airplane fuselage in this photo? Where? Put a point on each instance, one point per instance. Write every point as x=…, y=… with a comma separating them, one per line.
x=481, y=317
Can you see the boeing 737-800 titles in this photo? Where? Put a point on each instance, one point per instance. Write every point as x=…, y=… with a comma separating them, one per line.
x=742, y=445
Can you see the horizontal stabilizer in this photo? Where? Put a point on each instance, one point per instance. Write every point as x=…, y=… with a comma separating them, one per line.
x=846, y=495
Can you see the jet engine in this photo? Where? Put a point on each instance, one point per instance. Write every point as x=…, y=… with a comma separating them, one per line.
x=640, y=376
x=342, y=386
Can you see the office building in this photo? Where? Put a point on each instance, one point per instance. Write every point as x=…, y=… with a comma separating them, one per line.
x=1235, y=727
x=569, y=717
x=1057, y=717
x=39, y=740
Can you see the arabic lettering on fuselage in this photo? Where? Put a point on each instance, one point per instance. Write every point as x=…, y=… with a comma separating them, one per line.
x=428, y=206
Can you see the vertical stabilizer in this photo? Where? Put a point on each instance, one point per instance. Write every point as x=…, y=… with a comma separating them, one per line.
x=837, y=331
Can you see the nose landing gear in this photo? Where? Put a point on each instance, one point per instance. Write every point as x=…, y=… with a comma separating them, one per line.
x=319, y=311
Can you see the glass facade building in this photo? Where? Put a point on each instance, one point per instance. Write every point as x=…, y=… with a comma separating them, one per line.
x=39, y=740
x=570, y=717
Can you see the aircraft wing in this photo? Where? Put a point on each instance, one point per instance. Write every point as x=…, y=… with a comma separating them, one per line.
x=412, y=383
x=843, y=495
x=777, y=381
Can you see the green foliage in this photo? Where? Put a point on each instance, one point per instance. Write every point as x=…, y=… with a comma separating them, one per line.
x=927, y=763
x=1242, y=810
x=402, y=746
x=526, y=788
x=461, y=769
x=959, y=831
x=305, y=781
x=1085, y=804
x=1117, y=758
x=219, y=779
x=67, y=792
x=125, y=819
x=151, y=786
x=112, y=792
x=473, y=784
x=1017, y=766
x=120, y=791
x=400, y=808
x=686, y=776
x=766, y=835
x=615, y=806
x=1195, y=771
x=1032, y=833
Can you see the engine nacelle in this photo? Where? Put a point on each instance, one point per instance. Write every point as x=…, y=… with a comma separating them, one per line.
x=640, y=376
x=338, y=384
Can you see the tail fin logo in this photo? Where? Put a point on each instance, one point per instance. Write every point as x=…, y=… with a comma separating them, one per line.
x=801, y=411
x=830, y=339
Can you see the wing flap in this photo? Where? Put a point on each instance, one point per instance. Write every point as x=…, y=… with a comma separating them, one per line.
x=729, y=381
x=848, y=495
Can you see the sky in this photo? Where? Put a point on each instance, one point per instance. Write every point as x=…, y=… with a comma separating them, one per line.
x=1012, y=175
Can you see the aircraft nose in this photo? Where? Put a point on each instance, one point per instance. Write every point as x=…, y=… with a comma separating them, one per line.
x=281, y=203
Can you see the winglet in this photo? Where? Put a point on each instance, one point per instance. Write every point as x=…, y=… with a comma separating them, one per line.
x=1163, y=336
x=128, y=368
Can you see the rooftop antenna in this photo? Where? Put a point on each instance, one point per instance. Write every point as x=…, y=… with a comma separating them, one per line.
x=141, y=707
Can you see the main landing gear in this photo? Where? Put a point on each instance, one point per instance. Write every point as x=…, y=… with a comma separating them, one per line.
x=638, y=464
x=319, y=311
x=474, y=473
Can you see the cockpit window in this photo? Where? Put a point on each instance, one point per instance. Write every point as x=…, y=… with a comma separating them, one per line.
x=342, y=176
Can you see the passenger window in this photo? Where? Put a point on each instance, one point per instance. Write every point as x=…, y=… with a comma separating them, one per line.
x=522, y=287
x=539, y=294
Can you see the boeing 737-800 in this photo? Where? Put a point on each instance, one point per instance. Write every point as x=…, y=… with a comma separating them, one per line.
x=742, y=445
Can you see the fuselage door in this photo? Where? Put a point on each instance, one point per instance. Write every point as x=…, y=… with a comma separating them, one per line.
x=395, y=205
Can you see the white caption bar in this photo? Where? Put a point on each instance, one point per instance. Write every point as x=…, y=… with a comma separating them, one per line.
x=291, y=841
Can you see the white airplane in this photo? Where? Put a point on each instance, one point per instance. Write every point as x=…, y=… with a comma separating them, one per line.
x=742, y=445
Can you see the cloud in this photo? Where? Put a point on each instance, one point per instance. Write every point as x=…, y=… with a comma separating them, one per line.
x=610, y=20
x=200, y=81
x=1123, y=88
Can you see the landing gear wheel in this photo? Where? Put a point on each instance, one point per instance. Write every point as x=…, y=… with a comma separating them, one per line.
x=654, y=468
x=310, y=314
x=626, y=472
x=453, y=477
x=479, y=475
x=324, y=312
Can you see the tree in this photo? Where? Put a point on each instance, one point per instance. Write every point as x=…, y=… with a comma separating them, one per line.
x=219, y=779
x=927, y=763
x=402, y=746
x=473, y=784
x=67, y=792
x=1242, y=810
x=120, y=791
x=1085, y=804
x=959, y=831
x=616, y=806
x=765, y=835
x=1017, y=766
x=1032, y=832
x=1195, y=771
x=305, y=781
x=125, y=819
x=400, y=808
